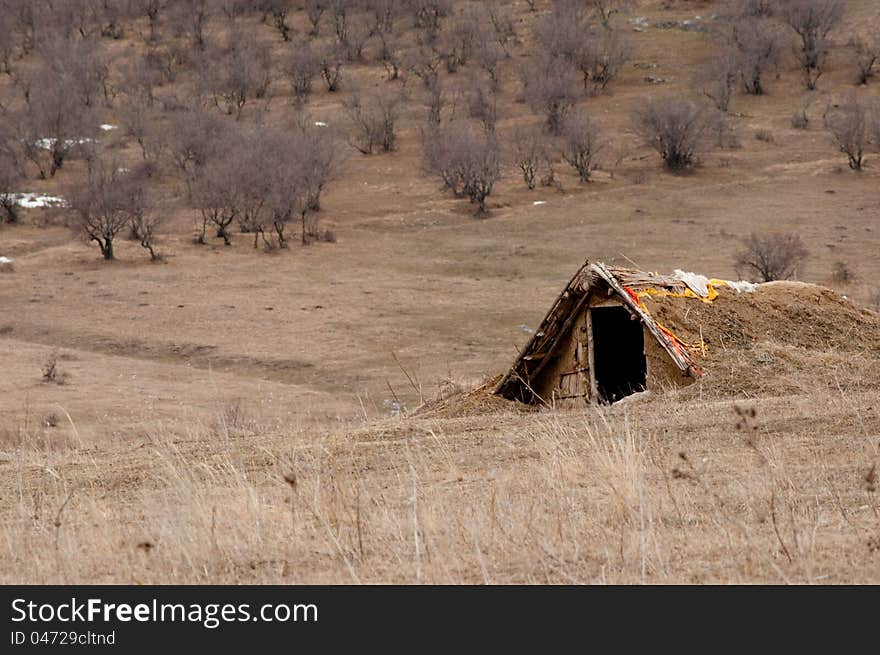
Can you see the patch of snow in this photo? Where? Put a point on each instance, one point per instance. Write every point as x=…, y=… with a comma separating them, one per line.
x=526, y=328
x=35, y=200
x=320, y=124
x=539, y=202
x=47, y=144
x=6, y=260
x=107, y=127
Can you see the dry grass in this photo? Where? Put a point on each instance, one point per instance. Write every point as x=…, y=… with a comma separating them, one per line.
x=690, y=492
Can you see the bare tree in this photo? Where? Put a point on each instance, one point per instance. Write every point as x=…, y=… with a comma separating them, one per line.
x=390, y=54
x=303, y=66
x=331, y=57
x=424, y=63
x=482, y=101
x=152, y=10
x=466, y=159
x=237, y=73
x=674, y=127
x=145, y=217
x=550, y=86
x=216, y=194
x=606, y=9
x=190, y=141
x=774, y=256
x=717, y=76
x=559, y=34
x=812, y=21
x=384, y=13
x=848, y=126
x=102, y=204
x=459, y=39
x=503, y=25
x=314, y=11
x=138, y=122
x=758, y=46
x=581, y=143
x=374, y=117
x=600, y=58
x=320, y=156
x=54, y=124
x=867, y=54
x=427, y=16
x=80, y=61
x=529, y=152
x=191, y=18
x=279, y=10
x=11, y=174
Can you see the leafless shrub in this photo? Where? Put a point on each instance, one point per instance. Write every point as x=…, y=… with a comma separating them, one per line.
x=867, y=54
x=215, y=191
x=674, y=127
x=581, y=143
x=812, y=21
x=145, y=216
x=605, y=10
x=331, y=57
x=314, y=11
x=11, y=174
x=191, y=17
x=559, y=34
x=82, y=63
x=774, y=256
x=482, y=102
x=466, y=159
x=51, y=372
x=848, y=126
x=758, y=46
x=438, y=100
x=374, y=117
x=765, y=135
x=529, y=153
x=550, y=86
x=753, y=8
x=600, y=58
x=302, y=67
x=279, y=10
x=424, y=64
x=717, y=76
x=237, y=73
x=54, y=124
x=503, y=26
x=427, y=16
x=152, y=10
x=104, y=204
x=190, y=140
x=459, y=39
x=390, y=53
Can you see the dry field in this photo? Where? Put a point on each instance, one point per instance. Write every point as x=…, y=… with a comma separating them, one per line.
x=231, y=415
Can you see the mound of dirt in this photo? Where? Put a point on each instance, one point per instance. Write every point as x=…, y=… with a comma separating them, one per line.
x=783, y=337
x=471, y=402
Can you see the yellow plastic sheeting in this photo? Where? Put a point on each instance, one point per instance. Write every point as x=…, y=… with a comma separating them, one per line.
x=687, y=293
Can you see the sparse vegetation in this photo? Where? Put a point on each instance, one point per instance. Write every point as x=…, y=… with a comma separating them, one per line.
x=775, y=256
x=674, y=128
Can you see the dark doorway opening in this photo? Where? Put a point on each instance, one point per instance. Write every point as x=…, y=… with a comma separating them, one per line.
x=619, y=353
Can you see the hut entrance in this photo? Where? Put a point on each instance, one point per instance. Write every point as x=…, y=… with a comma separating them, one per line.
x=619, y=347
